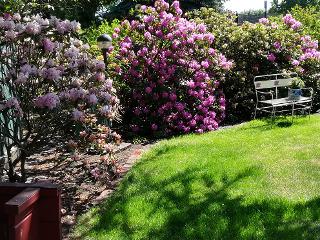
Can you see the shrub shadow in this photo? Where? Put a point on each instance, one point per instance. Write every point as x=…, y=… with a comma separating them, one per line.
x=213, y=215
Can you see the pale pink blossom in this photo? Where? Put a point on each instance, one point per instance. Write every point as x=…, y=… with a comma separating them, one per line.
x=92, y=99
x=78, y=116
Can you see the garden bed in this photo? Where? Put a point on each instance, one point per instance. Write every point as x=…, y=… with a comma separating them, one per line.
x=80, y=190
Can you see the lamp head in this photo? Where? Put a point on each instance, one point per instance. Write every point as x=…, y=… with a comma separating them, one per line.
x=104, y=41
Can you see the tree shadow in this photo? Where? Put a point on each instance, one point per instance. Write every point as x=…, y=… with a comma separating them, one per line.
x=210, y=213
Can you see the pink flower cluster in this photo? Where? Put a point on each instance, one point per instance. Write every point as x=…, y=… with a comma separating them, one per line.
x=264, y=21
x=172, y=71
x=291, y=22
x=310, y=49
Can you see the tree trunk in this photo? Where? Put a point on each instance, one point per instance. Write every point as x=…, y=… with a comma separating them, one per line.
x=11, y=173
x=13, y=176
x=22, y=158
x=2, y=163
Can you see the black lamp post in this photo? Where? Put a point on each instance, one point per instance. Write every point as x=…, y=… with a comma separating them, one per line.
x=104, y=42
x=265, y=9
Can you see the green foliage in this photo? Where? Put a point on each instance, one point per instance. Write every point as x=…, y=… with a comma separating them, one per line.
x=297, y=83
x=91, y=34
x=310, y=18
x=251, y=15
x=248, y=182
x=11, y=6
x=258, y=12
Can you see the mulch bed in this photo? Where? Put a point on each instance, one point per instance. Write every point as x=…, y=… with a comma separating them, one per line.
x=80, y=191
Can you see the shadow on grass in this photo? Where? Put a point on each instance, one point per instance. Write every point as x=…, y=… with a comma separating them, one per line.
x=284, y=124
x=267, y=124
x=208, y=214
x=279, y=121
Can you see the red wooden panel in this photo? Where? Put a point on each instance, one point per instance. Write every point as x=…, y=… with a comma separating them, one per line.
x=30, y=212
x=22, y=201
x=22, y=230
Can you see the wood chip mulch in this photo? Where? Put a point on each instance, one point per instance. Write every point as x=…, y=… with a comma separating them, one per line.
x=80, y=191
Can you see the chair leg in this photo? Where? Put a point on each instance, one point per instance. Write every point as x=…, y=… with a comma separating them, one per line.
x=311, y=104
x=309, y=113
x=273, y=115
x=255, y=112
x=292, y=114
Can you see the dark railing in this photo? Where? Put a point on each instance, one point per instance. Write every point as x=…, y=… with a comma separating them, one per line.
x=249, y=18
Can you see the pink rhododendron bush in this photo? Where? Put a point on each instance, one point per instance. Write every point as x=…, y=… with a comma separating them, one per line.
x=51, y=86
x=270, y=46
x=168, y=72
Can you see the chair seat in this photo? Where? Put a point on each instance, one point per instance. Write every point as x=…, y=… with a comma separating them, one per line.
x=286, y=101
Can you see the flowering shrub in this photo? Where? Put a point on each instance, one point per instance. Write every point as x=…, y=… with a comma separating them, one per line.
x=52, y=86
x=169, y=73
x=309, y=17
x=270, y=46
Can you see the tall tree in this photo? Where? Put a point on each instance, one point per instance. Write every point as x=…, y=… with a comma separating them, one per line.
x=88, y=11
x=285, y=5
x=121, y=8
x=83, y=11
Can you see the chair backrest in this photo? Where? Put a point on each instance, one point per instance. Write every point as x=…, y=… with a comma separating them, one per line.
x=273, y=80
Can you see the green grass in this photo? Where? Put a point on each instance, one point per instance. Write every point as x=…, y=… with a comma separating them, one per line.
x=248, y=182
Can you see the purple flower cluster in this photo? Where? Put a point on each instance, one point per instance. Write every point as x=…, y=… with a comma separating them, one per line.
x=14, y=104
x=291, y=22
x=13, y=26
x=49, y=100
x=308, y=50
x=172, y=72
x=271, y=57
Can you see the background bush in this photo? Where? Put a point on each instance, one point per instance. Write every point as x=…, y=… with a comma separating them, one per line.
x=252, y=47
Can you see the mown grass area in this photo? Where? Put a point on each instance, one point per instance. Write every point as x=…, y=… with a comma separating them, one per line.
x=247, y=182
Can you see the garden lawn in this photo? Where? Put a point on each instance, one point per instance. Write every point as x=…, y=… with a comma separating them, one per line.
x=247, y=182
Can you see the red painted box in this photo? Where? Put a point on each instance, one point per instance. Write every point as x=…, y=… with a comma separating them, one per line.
x=30, y=211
